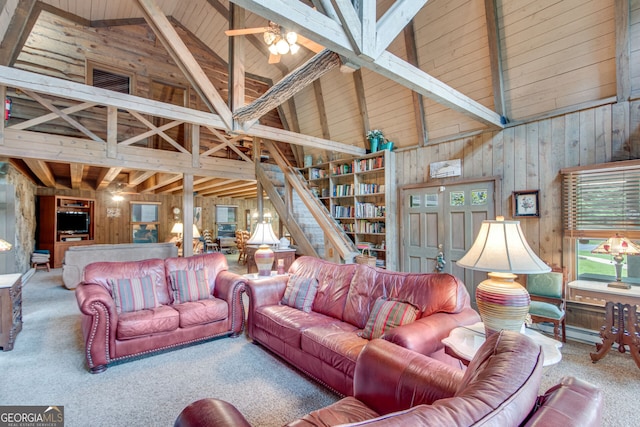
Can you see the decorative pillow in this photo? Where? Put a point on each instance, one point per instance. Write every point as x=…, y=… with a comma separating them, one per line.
x=387, y=314
x=300, y=292
x=133, y=294
x=189, y=285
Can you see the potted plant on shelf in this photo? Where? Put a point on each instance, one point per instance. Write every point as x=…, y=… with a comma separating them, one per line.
x=376, y=138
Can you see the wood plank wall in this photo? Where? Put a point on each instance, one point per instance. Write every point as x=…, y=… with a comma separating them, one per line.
x=634, y=58
x=118, y=230
x=529, y=157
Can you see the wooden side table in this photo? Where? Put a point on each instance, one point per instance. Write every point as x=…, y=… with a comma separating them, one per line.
x=10, y=309
x=621, y=316
x=288, y=255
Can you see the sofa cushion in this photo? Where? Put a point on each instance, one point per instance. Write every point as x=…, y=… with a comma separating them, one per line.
x=333, y=283
x=388, y=314
x=337, y=344
x=189, y=285
x=132, y=294
x=287, y=323
x=202, y=311
x=146, y=322
x=300, y=292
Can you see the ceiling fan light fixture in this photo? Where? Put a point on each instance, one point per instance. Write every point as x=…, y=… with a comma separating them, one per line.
x=273, y=49
x=269, y=37
x=294, y=48
x=282, y=46
x=291, y=37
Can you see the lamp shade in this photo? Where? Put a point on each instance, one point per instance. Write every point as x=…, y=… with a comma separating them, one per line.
x=5, y=246
x=617, y=245
x=502, y=248
x=177, y=228
x=263, y=235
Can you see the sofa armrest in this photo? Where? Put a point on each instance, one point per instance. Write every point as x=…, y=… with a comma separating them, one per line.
x=229, y=285
x=99, y=323
x=571, y=402
x=264, y=292
x=268, y=291
x=408, y=378
x=425, y=335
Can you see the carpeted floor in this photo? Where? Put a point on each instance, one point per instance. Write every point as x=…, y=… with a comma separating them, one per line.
x=47, y=367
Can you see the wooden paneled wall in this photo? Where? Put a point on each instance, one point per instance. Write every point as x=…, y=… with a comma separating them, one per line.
x=530, y=157
x=118, y=229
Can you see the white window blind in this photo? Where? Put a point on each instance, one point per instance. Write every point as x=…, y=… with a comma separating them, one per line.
x=603, y=198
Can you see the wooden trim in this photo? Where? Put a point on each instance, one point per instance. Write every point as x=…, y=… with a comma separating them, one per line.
x=623, y=50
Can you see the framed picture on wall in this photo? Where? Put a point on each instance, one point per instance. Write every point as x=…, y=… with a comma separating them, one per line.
x=525, y=204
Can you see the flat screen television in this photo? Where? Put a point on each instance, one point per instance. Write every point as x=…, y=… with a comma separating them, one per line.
x=73, y=222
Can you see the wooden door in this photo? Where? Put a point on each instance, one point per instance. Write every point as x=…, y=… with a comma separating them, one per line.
x=444, y=218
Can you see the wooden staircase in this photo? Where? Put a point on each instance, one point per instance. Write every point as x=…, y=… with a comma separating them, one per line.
x=291, y=199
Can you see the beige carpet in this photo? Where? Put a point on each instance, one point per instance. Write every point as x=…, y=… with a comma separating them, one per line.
x=47, y=367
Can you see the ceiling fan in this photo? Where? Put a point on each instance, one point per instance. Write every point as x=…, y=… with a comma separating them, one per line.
x=279, y=41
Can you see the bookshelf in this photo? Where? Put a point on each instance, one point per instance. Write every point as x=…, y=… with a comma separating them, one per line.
x=359, y=194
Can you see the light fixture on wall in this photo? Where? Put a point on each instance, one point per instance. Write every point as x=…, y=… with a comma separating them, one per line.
x=617, y=246
x=264, y=256
x=5, y=246
x=280, y=42
x=502, y=250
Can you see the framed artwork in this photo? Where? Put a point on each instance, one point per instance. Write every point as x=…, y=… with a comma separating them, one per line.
x=525, y=203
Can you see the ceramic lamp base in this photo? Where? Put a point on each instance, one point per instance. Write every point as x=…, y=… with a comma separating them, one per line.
x=264, y=258
x=502, y=302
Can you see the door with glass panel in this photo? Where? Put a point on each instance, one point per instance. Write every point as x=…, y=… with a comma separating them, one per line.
x=439, y=224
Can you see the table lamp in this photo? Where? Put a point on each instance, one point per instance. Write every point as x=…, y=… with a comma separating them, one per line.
x=617, y=246
x=502, y=250
x=264, y=256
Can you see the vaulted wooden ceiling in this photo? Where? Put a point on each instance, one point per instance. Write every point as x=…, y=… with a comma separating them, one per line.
x=420, y=70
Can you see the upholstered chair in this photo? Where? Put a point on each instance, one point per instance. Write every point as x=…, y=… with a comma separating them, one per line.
x=547, y=291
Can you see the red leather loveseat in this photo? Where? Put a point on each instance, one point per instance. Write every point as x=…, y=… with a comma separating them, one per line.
x=394, y=386
x=133, y=308
x=326, y=341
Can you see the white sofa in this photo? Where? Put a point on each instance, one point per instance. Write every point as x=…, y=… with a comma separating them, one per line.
x=77, y=257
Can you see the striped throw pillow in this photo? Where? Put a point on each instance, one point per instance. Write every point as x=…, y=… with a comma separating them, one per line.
x=189, y=285
x=387, y=314
x=300, y=292
x=133, y=294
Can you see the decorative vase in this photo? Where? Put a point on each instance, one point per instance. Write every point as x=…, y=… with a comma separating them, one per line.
x=502, y=302
x=264, y=258
x=373, y=143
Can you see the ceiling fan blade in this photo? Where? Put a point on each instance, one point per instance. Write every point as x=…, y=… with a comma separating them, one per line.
x=274, y=59
x=310, y=44
x=245, y=31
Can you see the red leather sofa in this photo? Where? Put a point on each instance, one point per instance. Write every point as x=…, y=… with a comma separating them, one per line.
x=111, y=335
x=325, y=342
x=394, y=386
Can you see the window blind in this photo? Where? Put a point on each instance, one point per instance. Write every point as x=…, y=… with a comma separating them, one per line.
x=601, y=199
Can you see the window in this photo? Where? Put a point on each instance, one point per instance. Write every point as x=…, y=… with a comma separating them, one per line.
x=144, y=222
x=599, y=202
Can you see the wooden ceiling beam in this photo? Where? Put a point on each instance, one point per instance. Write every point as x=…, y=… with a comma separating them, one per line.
x=158, y=180
x=67, y=89
x=330, y=33
x=42, y=171
x=75, y=172
x=185, y=60
x=138, y=177
x=106, y=177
